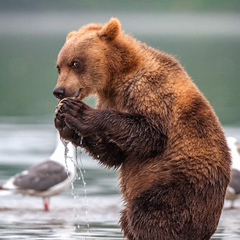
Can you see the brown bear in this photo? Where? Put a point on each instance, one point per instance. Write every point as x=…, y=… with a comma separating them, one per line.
x=153, y=124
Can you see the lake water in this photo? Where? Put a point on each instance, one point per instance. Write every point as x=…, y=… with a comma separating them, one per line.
x=74, y=214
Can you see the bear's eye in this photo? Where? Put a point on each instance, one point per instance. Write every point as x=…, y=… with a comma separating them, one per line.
x=58, y=69
x=75, y=64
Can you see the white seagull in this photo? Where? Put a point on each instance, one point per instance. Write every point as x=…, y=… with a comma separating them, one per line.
x=48, y=178
x=233, y=190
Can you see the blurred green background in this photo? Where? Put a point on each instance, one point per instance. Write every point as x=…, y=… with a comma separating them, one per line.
x=203, y=35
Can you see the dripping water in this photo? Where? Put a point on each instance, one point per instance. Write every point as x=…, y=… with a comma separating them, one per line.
x=80, y=174
x=77, y=161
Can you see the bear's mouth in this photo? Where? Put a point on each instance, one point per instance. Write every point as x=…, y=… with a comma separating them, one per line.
x=77, y=94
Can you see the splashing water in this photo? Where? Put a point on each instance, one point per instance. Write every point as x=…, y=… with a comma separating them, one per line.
x=66, y=156
x=79, y=176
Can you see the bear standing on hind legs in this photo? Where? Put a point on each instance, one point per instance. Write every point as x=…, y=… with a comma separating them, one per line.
x=152, y=123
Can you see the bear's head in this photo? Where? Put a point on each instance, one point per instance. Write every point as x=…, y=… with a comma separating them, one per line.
x=90, y=60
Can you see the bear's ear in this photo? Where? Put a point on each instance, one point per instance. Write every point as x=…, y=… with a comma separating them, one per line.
x=71, y=34
x=110, y=30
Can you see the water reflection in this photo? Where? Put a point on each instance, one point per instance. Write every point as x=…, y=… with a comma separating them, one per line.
x=228, y=228
x=23, y=218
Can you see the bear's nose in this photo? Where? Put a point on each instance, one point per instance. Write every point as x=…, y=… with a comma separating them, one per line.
x=59, y=92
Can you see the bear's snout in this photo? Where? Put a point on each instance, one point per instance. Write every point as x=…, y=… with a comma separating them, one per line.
x=59, y=92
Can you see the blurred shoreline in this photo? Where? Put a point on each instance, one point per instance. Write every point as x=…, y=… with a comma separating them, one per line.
x=167, y=24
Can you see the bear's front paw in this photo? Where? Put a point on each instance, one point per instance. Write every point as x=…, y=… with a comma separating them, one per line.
x=78, y=116
x=73, y=107
x=66, y=132
x=64, y=109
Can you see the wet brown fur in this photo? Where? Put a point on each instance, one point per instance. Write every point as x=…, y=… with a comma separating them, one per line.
x=153, y=124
